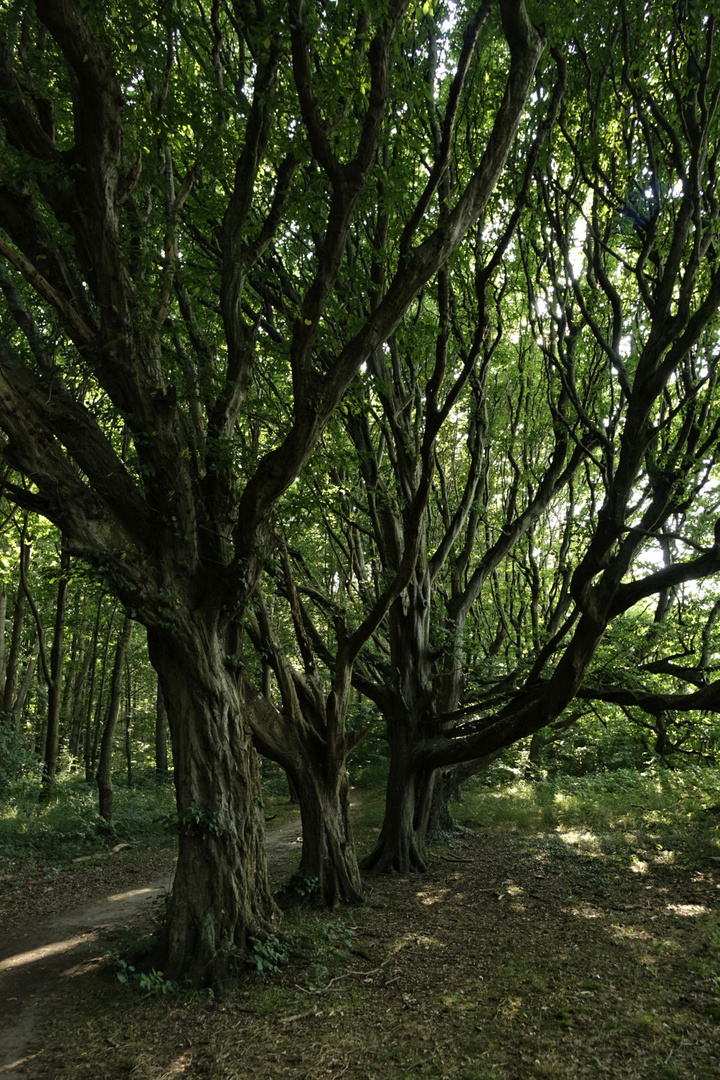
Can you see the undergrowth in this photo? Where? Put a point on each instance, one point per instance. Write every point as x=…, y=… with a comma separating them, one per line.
x=67, y=823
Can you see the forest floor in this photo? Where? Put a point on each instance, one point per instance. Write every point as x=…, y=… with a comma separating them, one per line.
x=520, y=954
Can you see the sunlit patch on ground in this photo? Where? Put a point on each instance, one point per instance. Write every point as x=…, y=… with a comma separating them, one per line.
x=664, y=858
x=42, y=953
x=519, y=954
x=180, y=1065
x=421, y=940
x=427, y=897
x=632, y=933
x=586, y=911
x=587, y=842
x=510, y=888
x=692, y=910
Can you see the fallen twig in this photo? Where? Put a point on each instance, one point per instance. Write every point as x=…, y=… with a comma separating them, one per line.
x=347, y=975
x=300, y=1016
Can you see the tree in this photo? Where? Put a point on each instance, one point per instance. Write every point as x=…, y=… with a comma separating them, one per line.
x=623, y=289
x=155, y=188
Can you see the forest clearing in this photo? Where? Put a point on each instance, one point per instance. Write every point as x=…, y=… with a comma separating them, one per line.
x=571, y=931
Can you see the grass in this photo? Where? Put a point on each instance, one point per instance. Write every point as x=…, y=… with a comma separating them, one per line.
x=656, y=798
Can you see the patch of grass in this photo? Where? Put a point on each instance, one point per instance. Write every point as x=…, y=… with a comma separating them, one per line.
x=622, y=799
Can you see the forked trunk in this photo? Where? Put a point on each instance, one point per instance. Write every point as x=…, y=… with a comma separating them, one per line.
x=328, y=866
x=221, y=895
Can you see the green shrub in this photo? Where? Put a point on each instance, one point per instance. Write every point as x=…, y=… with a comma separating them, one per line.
x=17, y=763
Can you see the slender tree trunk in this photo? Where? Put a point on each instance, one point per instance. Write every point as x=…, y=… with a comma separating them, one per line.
x=25, y=684
x=3, y=615
x=83, y=665
x=75, y=675
x=94, y=733
x=97, y=725
x=536, y=745
x=161, y=725
x=221, y=894
x=40, y=712
x=13, y=660
x=128, y=723
x=87, y=739
x=52, y=738
x=104, y=770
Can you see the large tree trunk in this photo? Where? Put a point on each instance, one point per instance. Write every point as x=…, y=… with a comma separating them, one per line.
x=221, y=895
x=447, y=789
x=441, y=821
x=328, y=850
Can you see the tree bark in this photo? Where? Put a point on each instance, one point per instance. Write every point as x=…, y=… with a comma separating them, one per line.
x=310, y=742
x=440, y=821
x=328, y=851
x=128, y=723
x=161, y=723
x=408, y=709
x=400, y=847
x=3, y=614
x=93, y=726
x=25, y=684
x=221, y=895
x=83, y=658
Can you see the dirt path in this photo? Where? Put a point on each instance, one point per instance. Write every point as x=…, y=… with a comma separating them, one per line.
x=39, y=958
